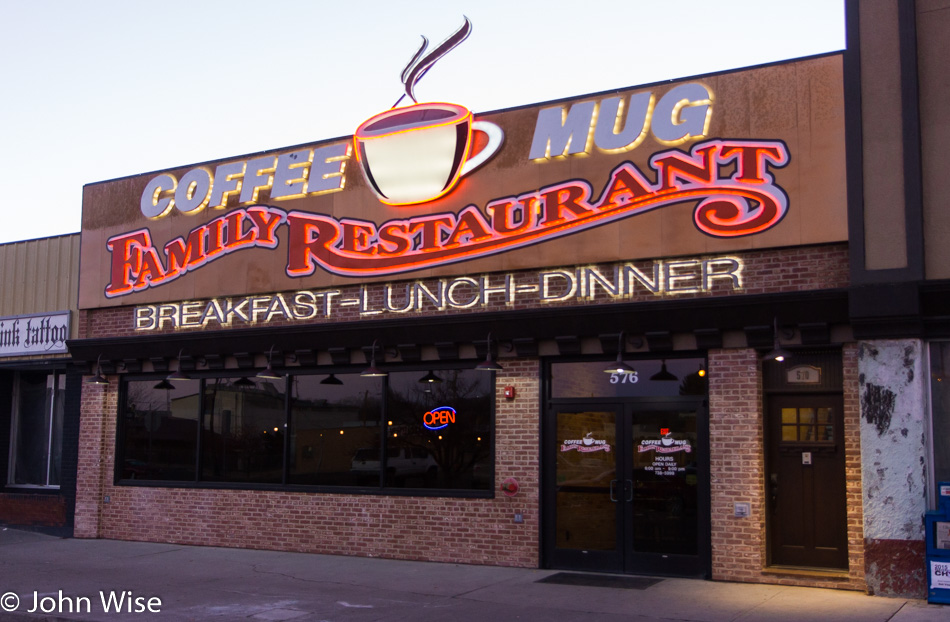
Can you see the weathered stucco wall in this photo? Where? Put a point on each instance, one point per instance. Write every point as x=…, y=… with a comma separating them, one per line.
x=893, y=433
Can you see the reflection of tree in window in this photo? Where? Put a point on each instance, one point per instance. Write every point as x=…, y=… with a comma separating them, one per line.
x=455, y=456
x=160, y=432
x=244, y=431
x=693, y=384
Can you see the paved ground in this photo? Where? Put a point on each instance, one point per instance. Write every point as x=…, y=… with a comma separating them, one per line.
x=203, y=583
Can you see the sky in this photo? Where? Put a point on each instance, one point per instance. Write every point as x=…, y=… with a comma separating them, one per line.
x=97, y=90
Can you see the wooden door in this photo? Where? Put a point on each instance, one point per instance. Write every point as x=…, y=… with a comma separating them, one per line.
x=806, y=482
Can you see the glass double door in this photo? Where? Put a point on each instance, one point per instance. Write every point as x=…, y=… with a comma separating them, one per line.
x=627, y=486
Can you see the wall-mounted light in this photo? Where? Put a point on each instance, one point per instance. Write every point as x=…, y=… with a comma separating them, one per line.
x=371, y=371
x=489, y=363
x=619, y=367
x=179, y=374
x=98, y=378
x=268, y=372
x=777, y=353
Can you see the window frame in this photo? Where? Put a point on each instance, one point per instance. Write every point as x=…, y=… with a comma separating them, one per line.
x=285, y=485
x=59, y=376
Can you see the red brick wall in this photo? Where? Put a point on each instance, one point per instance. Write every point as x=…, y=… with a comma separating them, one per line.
x=764, y=272
x=736, y=451
x=32, y=510
x=737, y=468
x=852, y=465
x=425, y=528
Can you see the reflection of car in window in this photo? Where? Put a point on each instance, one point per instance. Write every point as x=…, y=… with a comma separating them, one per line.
x=401, y=462
x=135, y=469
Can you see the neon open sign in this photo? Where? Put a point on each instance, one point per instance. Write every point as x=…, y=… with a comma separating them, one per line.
x=439, y=417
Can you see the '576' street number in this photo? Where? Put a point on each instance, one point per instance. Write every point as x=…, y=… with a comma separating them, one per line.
x=624, y=378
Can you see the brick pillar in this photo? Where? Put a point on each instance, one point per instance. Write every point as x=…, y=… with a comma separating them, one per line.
x=736, y=450
x=95, y=457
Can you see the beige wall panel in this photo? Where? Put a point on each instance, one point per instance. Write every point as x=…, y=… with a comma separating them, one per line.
x=884, y=222
x=39, y=276
x=933, y=22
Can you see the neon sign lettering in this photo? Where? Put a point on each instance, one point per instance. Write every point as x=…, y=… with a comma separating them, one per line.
x=743, y=203
x=137, y=264
x=730, y=180
x=439, y=417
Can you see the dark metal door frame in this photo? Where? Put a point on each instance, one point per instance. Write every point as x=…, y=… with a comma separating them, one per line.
x=624, y=558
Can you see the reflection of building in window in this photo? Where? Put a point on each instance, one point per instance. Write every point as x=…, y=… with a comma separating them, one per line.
x=332, y=434
x=37, y=428
x=455, y=456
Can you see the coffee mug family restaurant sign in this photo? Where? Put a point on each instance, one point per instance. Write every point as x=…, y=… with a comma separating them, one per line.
x=730, y=162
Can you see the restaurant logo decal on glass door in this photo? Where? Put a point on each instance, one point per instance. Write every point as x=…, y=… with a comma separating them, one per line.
x=665, y=444
x=585, y=445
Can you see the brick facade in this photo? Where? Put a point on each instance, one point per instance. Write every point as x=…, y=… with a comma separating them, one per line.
x=32, y=510
x=737, y=468
x=479, y=530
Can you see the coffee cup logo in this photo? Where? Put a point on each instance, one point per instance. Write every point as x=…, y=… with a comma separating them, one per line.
x=417, y=153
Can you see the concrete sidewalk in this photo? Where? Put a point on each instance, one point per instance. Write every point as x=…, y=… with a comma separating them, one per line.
x=202, y=583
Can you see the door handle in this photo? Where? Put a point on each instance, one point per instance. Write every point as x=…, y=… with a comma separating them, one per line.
x=773, y=489
x=628, y=488
x=613, y=485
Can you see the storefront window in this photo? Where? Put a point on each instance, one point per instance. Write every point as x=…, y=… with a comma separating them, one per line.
x=161, y=430
x=940, y=403
x=37, y=428
x=335, y=435
x=649, y=378
x=243, y=430
x=340, y=430
x=437, y=433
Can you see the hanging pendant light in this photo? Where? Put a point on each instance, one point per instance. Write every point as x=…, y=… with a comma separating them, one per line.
x=430, y=378
x=331, y=379
x=663, y=375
